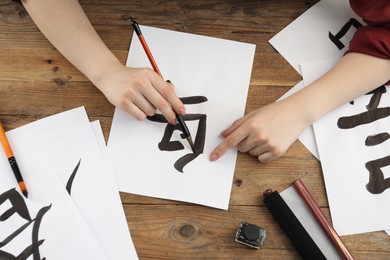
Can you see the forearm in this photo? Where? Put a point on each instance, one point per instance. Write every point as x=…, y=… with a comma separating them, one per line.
x=140, y=92
x=66, y=26
x=355, y=75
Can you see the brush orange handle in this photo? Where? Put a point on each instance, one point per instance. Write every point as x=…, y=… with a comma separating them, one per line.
x=12, y=161
x=5, y=143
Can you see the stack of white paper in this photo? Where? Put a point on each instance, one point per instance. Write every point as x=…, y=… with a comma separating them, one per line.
x=73, y=210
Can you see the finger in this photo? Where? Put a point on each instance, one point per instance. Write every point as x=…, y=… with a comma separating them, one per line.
x=272, y=153
x=230, y=141
x=133, y=110
x=267, y=157
x=168, y=92
x=135, y=98
x=258, y=150
x=144, y=105
x=160, y=102
x=245, y=145
x=253, y=141
x=164, y=107
x=236, y=124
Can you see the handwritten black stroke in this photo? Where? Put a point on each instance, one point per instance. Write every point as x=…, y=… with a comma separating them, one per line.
x=376, y=97
x=367, y=117
x=199, y=144
x=336, y=38
x=34, y=247
x=19, y=206
x=377, y=182
x=71, y=178
x=168, y=145
x=372, y=140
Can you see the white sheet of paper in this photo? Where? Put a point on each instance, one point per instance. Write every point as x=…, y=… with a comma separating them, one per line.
x=125, y=248
x=67, y=138
x=217, y=69
x=343, y=157
x=306, y=38
x=62, y=229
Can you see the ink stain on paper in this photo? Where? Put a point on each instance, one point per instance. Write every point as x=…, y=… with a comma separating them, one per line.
x=166, y=144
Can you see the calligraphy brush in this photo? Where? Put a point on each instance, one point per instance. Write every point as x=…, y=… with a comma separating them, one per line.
x=186, y=133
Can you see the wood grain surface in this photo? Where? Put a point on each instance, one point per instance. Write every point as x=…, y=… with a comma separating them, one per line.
x=37, y=81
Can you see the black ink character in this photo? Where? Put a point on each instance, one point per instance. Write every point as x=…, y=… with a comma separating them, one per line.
x=71, y=178
x=377, y=183
x=19, y=207
x=372, y=140
x=372, y=114
x=336, y=38
x=167, y=145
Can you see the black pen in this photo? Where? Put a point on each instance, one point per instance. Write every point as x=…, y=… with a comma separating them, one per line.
x=186, y=133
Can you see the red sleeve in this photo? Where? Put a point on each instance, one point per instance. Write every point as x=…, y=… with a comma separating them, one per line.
x=374, y=38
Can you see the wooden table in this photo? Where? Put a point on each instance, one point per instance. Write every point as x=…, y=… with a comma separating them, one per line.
x=36, y=81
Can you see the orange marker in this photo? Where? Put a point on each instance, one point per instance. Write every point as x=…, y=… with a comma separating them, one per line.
x=12, y=160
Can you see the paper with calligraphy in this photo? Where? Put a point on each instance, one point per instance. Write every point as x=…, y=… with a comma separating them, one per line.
x=212, y=77
x=75, y=152
x=48, y=224
x=354, y=147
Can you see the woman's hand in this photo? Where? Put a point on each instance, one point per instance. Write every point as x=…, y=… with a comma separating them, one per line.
x=140, y=92
x=265, y=133
x=269, y=131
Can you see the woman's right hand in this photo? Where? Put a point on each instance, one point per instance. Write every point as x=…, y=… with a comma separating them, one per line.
x=140, y=92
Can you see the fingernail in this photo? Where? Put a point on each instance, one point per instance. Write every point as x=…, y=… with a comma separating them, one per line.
x=223, y=133
x=213, y=157
x=174, y=122
x=182, y=111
